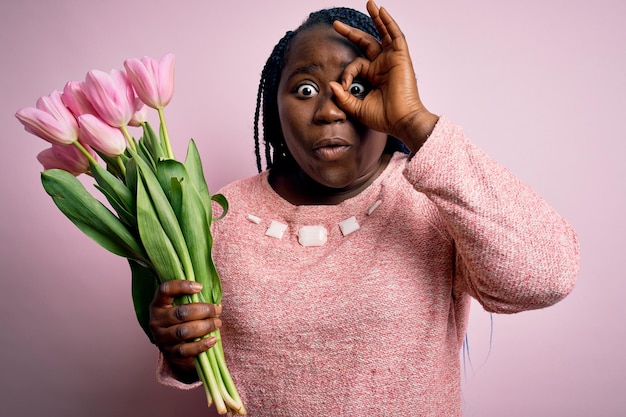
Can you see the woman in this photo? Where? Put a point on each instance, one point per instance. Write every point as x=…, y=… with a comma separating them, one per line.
x=348, y=264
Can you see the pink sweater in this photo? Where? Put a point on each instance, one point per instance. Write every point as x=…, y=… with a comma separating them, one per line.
x=372, y=323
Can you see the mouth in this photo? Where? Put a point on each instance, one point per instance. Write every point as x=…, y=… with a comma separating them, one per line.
x=331, y=149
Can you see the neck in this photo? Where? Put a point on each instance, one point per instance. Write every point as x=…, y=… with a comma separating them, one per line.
x=295, y=186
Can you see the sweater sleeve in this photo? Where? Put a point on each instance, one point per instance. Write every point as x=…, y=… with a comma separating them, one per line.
x=513, y=251
x=166, y=376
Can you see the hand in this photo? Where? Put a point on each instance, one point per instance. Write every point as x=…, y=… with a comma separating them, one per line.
x=393, y=106
x=176, y=328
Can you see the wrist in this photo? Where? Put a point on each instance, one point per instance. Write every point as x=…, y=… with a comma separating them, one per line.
x=184, y=372
x=416, y=128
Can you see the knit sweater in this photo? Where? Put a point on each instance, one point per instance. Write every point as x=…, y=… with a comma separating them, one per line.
x=372, y=322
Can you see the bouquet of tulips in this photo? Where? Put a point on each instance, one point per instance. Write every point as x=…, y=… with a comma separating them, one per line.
x=161, y=208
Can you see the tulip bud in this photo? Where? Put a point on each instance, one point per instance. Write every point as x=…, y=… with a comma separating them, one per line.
x=67, y=158
x=50, y=120
x=111, y=95
x=141, y=113
x=153, y=80
x=75, y=99
x=101, y=136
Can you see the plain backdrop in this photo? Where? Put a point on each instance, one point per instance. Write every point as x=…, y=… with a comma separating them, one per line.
x=540, y=85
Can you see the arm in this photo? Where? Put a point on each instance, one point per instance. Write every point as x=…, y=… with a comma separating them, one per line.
x=514, y=252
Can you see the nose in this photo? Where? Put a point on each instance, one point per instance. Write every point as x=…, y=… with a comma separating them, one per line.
x=327, y=110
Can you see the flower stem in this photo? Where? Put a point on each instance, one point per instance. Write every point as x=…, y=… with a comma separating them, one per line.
x=85, y=152
x=129, y=138
x=226, y=377
x=212, y=383
x=121, y=165
x=166, y=137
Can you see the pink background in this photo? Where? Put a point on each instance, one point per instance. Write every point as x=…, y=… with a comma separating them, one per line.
x=540, y=85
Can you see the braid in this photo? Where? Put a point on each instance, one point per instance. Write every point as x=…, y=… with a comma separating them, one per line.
x=267, y=101
x=266, y=112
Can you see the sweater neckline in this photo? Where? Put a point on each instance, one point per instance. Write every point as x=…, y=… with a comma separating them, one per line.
x=367, y=197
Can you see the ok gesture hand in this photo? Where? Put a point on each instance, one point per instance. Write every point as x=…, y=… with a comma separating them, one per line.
x=393, y=106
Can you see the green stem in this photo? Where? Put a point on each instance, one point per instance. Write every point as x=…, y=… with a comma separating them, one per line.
x=212, y=383
x=205, y=383
x=85, y=152
x=121, y=165
x=230, y=402
x=226, y=377
x=166, y=137
x=129, y=138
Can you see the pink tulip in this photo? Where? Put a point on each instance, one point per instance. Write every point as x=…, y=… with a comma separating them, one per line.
x=67, y=158
x=50, y=120
x=141, y=113
x=153, y=80
x=75, y=99
x=101, y=136
x=111, y=95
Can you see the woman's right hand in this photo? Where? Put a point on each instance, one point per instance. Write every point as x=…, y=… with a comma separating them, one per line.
x=175, y=327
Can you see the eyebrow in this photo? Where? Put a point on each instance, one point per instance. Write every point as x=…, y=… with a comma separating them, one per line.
x=309, y=69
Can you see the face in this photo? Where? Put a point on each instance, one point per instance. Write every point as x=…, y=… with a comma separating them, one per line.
x=330, y=147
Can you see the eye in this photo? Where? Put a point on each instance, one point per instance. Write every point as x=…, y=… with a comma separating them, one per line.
x=358, y=89
x=306, y=90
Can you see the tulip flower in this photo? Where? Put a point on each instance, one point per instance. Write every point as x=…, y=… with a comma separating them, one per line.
x=67, y=158
x=141, y=113
x=101, y=136
x=111, y=95
x=75, y=99
x=159, y=216
x=50, y=120
x=153, y=80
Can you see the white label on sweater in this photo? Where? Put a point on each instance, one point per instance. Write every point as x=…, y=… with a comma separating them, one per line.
x=276, y=229
x=312, y=235
x=349, y=225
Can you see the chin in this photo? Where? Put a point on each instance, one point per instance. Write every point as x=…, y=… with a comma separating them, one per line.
x=336, y=180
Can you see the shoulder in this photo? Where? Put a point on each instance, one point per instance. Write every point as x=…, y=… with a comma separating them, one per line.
x=245, y=188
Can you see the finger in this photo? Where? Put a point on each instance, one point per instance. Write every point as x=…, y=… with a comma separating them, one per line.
x=367, y=44
x=374, y=13
x=185, y=332
x=191, y=312
x=186, y=351
x=346, y=101
x=393, y=30
x=169, y=290
x=358, y=68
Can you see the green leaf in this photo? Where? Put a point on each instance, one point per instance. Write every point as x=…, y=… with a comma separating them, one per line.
x=131, y=176
x=146, y=155
x=90, y=215
x=155, y=240
x=195, y=226
x=168, y=169
x=176, y=197
x=144, y=286
x=123, y=214
x=114, y=187
x=165, y=214
x=221, y=200
x=193, y=163
x=152, y=143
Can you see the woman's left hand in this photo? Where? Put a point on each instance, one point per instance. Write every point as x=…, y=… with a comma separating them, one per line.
x=393, y=105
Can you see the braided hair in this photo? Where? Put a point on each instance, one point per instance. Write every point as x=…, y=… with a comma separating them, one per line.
x=276, y=152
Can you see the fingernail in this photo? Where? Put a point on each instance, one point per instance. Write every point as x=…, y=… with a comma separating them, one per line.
x=211, y=341
x=196, y=286
x=218, y=323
